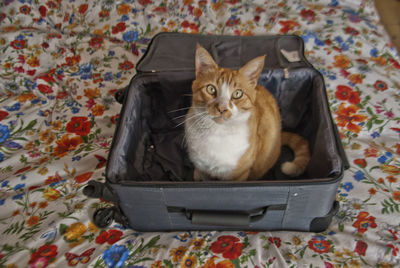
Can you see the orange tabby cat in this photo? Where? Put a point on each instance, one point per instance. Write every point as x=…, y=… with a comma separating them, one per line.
x=233, y=128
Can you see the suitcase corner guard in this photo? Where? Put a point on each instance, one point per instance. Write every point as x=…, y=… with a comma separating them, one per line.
x=320, y=224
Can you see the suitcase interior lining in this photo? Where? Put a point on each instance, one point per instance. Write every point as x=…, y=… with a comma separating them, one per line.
x=149, y=142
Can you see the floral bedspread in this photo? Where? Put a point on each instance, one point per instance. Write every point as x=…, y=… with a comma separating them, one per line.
x=60, y=65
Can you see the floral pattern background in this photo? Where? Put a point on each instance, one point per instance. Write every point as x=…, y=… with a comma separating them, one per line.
x=61, y=63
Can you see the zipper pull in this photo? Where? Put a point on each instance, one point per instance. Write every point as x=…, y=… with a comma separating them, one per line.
x=286, y=73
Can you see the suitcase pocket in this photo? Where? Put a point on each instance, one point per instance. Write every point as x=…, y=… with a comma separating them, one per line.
x=226, y=217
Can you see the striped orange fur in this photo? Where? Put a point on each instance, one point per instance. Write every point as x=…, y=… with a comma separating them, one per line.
x=233, y=128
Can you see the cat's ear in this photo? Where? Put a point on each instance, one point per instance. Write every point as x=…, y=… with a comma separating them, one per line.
x=204, y=61
x=253, y=69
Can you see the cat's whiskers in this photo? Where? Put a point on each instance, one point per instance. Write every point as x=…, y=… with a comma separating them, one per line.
x=177, y=117
x=190, y=126
x=191, y=117
x=182, y=109
x=202, y=122
x=177, y=110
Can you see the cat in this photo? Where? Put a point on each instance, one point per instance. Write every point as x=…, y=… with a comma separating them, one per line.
x=233, y=127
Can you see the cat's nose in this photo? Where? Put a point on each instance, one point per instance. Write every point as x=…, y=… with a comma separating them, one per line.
x=222, y=108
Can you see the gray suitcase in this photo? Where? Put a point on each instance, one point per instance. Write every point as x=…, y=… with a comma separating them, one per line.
x=149, y=177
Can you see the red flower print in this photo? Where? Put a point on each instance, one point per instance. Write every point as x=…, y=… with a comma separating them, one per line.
x=360, y=162
x=83, y=177
x=160, y=9
x=102, y=237
x=83, y=8
x=79, y=125
x=71, y=61
x=194, y=26
x=96, y=42
x=19, y=171
x=308, y=15
x=396, y=195
x=144, y=2
x=126, y=65
x=31, y=72
x=18, y=44
x=48, y=77
x=53, y=179
x=395, y=250
x=361, y=248
x=61, y=95
x=197, y=12
x=2, y=16
x=114, y=119
x=355, y=78
x=111, y=237
x=51, y=4
x=232, y=22
x=347, y=116
x=102, y=161
x=25, y=9
x=395, y=63
x=397, y=146
x=232, y=2
x=104, y=13
x=288, y=25
x=343, y=92
x=134, y=49
x=45, y=89
x=228, y=245
x=391, y=179
x=354, y=97
x=372, y=191
x=120, y=27
x=371, y=152
x=351, y=31
x=276, y=241
x=380, y=85
x=3, y=114
x=185, y=24
x=319, y=244
x=364, y=221
x=43, y=11
x=19, y=69
x=47, y=251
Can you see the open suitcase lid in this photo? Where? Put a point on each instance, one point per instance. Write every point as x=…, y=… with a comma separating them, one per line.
x=285, y=51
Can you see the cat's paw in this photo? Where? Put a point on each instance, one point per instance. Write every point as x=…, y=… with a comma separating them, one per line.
x=290, y=169
x=199, y=175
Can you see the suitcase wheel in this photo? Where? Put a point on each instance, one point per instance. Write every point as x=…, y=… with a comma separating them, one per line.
x=94, y=189
x=120, y=95
x=103, y=217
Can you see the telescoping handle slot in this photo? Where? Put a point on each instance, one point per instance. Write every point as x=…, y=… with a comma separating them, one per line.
x=229, y=218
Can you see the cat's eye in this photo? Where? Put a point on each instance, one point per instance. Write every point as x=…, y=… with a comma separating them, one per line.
x=237, y=94
x=211, y=89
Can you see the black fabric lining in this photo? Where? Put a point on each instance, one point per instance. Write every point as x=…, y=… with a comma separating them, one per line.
x=149, y=145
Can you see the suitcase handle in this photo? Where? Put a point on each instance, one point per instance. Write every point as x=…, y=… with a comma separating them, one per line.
x=229, y=218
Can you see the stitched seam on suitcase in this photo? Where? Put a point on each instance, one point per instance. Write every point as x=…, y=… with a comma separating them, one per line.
x=165, y=205
x=283, y=220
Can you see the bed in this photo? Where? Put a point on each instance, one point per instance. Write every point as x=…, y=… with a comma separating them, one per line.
x=61, y=63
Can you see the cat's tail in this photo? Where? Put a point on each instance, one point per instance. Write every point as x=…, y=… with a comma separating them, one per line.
x=301, y=150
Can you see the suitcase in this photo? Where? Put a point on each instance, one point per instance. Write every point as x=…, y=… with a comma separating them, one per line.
x=149, y=178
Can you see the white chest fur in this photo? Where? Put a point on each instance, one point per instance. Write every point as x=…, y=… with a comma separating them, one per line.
x=216, y=148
